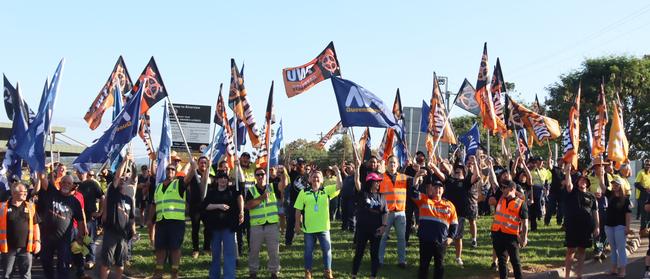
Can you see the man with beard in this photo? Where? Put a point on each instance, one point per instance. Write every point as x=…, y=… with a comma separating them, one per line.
x=58, y=209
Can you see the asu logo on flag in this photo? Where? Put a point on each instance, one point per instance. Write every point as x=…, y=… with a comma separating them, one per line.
x=359, y=107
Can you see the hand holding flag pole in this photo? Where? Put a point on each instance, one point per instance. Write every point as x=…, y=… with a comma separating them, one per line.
x=210, y=150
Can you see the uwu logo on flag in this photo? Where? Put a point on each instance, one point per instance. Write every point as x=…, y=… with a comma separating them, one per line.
x=359, y=96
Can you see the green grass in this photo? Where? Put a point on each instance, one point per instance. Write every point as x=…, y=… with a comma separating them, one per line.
x=545, y=250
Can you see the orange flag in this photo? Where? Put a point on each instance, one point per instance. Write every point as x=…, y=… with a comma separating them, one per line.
x=484, y=97
x=571, y=138
x=618, y=146
x=438, y=116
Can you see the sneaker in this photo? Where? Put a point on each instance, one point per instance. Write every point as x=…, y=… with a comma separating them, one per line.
x=459, y=261
x=195, y=255
x=646, y=275
x=474, y=243
x=89, y=265
x=274, y=276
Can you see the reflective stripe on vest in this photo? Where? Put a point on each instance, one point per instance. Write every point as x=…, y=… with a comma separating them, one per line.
x=266, y=211
x=394, y=193
x=506, y=216
x=169, y=204
x=4, y=246
x=440, y=211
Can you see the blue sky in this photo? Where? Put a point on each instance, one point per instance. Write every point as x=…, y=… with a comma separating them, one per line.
x=381, y=45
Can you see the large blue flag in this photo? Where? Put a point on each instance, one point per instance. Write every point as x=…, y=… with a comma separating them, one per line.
x=424, y=117
x=241, y=131
x=471, y=140
x=31, y=146
x=123, y=129
x=359, y=107
x=164, y=149
x=277, y=145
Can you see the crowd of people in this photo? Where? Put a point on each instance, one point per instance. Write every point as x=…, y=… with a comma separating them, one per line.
x=62, y=213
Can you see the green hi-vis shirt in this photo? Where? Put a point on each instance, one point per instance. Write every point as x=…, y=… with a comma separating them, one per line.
x=315, y=207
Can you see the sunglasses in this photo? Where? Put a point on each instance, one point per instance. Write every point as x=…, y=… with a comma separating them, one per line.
x=260, y=174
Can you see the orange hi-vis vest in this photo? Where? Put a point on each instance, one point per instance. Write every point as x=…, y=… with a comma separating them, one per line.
x=394, y=193
x=33, y=234
x=441, y=211
x=506, y=216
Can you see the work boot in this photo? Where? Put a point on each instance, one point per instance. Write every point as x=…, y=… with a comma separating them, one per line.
x=157, y=274
x=307, y=274
x=174, y=274
x=327, y=274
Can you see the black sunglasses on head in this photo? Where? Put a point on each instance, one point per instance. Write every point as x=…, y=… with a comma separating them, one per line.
x=260, y=174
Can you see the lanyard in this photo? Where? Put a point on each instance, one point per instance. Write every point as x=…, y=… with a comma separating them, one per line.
x=316, y=194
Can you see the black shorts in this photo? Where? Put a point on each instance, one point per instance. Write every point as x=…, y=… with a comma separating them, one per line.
x=114, y=249
x=578, y=238
x=169, y=234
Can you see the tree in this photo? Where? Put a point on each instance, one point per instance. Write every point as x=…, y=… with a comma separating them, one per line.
x=341, y=150
x=628, y=75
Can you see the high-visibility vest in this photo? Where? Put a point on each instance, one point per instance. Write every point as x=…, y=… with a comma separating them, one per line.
x=441, y=211
x=170, y=204
x=506, y=216
x=266, y=211
x=394, y=193
x=33, y=234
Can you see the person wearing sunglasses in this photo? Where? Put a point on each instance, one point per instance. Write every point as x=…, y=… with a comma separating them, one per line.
x=262, y=203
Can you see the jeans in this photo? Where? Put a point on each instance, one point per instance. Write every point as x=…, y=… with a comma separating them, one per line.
x=362, y=236
x=21, y=258
x=291, y=223
x=397, y=220
x=61, y=248
x=554, y=207
x=507, y=244
x=195, y=217
x=325, y=246
x=91, y=224
x=644, y=214
x=601, y=241
x=223, y=238
x=430, y=250
x=617, y=240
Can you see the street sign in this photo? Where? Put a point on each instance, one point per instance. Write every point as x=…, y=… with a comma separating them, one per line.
x=195, y=121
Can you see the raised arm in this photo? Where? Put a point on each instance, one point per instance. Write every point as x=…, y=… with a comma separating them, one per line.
x=529, y=177
x=121, y=169
x=476, y=172
x=567, y=178
x=357, y=181
x=436, y=171
x=190, y=173
x=339, y=180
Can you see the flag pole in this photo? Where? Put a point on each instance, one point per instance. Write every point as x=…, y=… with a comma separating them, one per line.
x=417, y=143
x=211, y=145
x=236, y=145
x=488, y=143
x=442, y=131
x=187, y=147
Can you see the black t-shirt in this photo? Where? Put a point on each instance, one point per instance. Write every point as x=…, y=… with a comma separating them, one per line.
x=616, y=210
x=120, y=212
x=298, y=183
x=371, y=207
x=347, y=187
x=144, y=191
x=152, y=187
x=557, y=176
x=56, y=213
x=92, y=192
x=218, y=219
x=579, y=208
x=457, y=192
x=194, y=198
x=18, y=225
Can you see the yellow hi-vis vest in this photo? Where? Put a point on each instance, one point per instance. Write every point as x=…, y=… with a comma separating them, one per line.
x=266, y=211
x=169, y=204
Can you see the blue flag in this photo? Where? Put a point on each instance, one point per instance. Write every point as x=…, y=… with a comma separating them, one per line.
x=116, y=156
x=402, y=151
x=277, y=145
x=123, y=129
x=241, y=132
x=471, y=140
x=31, y=146
x=359, y=107
x=164, y=149
x=19, y=126
x=424, y=117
